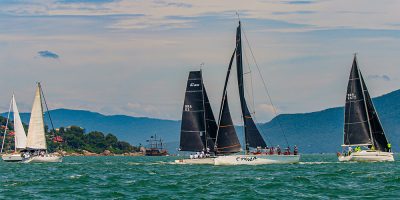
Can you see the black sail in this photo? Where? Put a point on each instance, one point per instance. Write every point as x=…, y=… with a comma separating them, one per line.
x=211, y=124
x=378, y=134
x=227, y=140
x=253, y=137
x=193, y=124
x=356, y=126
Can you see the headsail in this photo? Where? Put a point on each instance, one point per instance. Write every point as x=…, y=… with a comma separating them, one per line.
x=211, y=124
x=36, y=135
x=193, y=124
x=356, y=126
x=227, y=140
x=378, y=134
x=20, y=136
x=253, y=137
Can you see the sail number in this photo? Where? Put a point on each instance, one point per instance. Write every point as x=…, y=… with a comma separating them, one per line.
x=351, y=96
x=187, y=107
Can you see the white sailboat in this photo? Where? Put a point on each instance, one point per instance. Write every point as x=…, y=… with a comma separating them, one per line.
x=36, y=147
x=364, y=136
x=19, y=135
x=226, y=141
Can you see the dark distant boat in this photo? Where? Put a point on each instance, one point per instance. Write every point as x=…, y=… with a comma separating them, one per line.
x=227, y=142
x=363, y=132
x=155, y=147
x=198, y=126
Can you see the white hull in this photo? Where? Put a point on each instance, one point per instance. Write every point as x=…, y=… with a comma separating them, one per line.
x=41, y=159
x=368, y=156
x=12, y=157
x=256, y=159
x=198, y=161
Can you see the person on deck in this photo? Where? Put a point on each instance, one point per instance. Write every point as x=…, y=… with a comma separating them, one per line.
x=389, y=147
x=278, y=150
x=350, y=151
x=287, y=151
x=271, y=151
x=295, y=151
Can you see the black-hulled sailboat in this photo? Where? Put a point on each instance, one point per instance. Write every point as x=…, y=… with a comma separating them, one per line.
x=363, y=132
x=227, y=141
x=198, y=126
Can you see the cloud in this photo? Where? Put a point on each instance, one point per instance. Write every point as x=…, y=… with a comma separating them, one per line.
x=380, y=77
x=48, y=54
x=267, y=108
x=299, y=2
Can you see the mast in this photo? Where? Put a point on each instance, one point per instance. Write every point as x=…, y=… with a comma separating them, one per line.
x=252, y=135
x=204, y=113
x=5, y=128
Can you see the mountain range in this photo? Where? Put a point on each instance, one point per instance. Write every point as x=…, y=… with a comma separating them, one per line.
x=314, y=132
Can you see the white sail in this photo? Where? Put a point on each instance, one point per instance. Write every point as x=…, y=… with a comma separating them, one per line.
x=36, y=135
x=20, y=136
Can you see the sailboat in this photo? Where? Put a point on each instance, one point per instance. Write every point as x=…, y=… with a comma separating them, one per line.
x=36, y=147
x=227, y=141
x=362, y=127
x=198, y=126
x=19, y=135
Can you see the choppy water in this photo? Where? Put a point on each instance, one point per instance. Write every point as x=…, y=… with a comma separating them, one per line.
x=316, y=177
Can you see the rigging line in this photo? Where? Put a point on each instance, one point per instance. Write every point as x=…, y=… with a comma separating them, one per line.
x=252, y=96
x=266, y=88
x=5, y=128
x=47, y=108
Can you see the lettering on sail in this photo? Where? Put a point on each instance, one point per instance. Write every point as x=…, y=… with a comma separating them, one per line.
x=351, y=96
x=194, y=85
x=187, y=107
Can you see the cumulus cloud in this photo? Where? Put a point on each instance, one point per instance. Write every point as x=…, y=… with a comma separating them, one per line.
x=48, y=54
x=379, y=77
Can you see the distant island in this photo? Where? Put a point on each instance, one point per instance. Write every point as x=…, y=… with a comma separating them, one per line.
x=73, y=140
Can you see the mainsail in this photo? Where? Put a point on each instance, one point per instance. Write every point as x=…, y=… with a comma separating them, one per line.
x=227, y=140
x=20, y=136
x=36, y=135
x=362, y=125
x=198, y=127
x=253, y=137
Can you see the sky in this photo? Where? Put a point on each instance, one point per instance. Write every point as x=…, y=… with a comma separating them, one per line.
x=133, y=57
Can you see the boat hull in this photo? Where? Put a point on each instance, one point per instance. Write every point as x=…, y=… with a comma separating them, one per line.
x=256, y=159
x=197, y=161
x=367, y=156
x=12, y=157
x=43, y=159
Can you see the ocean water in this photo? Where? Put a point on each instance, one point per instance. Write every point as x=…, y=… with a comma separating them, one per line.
x=316, y=177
